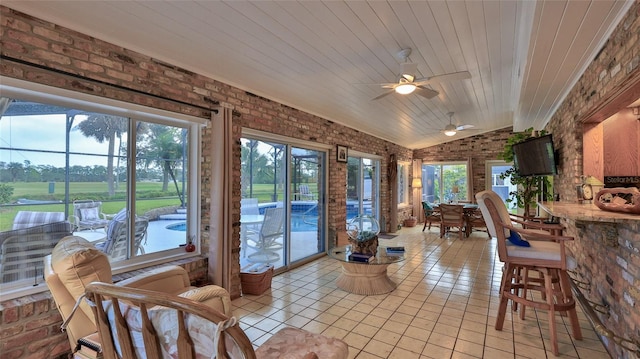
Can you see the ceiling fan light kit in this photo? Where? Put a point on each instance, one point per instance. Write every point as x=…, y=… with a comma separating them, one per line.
x=405, y=89
x=450, y=130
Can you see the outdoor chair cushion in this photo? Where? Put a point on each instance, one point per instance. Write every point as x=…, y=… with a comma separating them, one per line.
x=26, y=219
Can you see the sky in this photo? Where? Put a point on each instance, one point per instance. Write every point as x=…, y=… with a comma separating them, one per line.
x=46, y=132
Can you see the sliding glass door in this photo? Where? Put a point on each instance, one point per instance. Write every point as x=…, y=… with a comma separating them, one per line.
x=282, y=208
x=363, y=179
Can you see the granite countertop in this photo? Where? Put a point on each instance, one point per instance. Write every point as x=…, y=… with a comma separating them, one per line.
x=586, y=212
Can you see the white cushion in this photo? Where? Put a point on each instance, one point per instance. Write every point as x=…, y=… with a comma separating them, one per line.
x=540, y=250
x=89, y=214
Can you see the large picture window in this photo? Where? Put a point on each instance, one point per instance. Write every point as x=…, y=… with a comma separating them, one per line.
x=121, y=182
x=445, y=182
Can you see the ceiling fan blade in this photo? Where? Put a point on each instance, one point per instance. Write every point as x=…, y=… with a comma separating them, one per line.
x=426, y=92
x=464, y=127
x=383, y=95
x=462, y=75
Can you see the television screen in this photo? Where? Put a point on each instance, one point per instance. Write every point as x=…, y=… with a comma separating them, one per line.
x=535, y=157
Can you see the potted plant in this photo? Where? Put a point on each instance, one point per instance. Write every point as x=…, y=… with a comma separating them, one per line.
x=528, y=189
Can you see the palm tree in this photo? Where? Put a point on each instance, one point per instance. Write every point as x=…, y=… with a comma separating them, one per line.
x=105, y=128
x=164, y=146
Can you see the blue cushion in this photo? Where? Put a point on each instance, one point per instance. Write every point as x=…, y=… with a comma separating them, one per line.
x=515, y=238
x=427, y=206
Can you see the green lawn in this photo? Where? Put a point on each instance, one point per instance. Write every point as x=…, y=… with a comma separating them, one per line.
x=82, y=191
x=264, y=192
x=98, y=191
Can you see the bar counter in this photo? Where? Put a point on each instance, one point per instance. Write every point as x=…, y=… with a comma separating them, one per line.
x=607, y=253
x=587, y=212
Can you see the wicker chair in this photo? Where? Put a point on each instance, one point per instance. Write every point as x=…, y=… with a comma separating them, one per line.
x=22, y=250
x=88, y=215
x=136, y=323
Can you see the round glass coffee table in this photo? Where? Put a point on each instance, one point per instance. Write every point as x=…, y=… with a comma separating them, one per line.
x=366, y=278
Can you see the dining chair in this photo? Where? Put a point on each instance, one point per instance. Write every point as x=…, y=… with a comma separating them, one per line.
x=524, y=250
x=431, y=215
x=451, y=216
x=475, y=221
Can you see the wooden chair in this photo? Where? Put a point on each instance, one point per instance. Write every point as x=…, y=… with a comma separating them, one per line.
x=451, y=216
x=430, y=215
x=545, y=254
x=137, y=323
x=475, y=221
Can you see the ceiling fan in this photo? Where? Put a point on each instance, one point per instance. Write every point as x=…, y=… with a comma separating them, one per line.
x=408, y=83
x=451, y=129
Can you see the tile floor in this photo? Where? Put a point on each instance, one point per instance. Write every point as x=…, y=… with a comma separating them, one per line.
x=444, y=307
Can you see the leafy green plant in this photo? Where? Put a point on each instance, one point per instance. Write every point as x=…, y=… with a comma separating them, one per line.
x=6, y=192
x=528, y=189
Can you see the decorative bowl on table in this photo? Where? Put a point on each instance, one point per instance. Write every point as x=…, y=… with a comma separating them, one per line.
x=363, y=234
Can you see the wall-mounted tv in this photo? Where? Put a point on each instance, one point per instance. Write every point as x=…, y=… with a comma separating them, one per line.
x=535, y=157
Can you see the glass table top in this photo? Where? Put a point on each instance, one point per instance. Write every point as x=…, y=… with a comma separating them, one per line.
x=342, y=253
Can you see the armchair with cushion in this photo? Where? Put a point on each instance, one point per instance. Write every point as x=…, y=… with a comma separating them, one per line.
x=88, y=215
x=165, y=326
x=74, y=263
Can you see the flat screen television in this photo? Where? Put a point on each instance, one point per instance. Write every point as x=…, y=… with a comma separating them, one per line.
x=535, y=157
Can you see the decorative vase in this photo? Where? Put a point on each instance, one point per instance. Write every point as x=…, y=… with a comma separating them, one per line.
x=363, y=234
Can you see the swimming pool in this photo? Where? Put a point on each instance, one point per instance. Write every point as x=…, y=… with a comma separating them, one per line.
x=299, y=223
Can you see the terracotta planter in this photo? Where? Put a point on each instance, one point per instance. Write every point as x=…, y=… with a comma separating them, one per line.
x=410, y=222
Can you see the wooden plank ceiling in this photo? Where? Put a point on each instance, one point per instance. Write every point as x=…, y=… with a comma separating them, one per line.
x=318, y=56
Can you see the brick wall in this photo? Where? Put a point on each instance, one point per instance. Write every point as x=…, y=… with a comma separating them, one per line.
x=608, y=255
x=480, y=148
x=88, y=65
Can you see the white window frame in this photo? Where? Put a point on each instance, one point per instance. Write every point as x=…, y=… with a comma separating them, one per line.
x=403, y=184
x=24, y=90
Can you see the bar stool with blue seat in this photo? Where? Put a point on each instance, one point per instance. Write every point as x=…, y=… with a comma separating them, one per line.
x=524, y=249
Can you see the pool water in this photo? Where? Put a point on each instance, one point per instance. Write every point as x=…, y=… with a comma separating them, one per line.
x=298, y=224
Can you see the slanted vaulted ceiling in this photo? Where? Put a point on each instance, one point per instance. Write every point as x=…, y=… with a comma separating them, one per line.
x=523, y=56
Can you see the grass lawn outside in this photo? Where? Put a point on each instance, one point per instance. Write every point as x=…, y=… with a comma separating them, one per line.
x=81, y=191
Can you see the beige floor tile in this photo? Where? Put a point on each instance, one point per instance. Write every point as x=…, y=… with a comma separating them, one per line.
x=379, y=348
x=445, y=306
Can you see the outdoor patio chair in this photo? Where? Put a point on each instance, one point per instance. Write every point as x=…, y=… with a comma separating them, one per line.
x=305, y=192
x=266, y=243
x=22, y=250
x=27, y=219
x=116, y=245
x=88, y=215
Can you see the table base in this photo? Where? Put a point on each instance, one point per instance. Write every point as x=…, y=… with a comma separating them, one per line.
x=365, y=279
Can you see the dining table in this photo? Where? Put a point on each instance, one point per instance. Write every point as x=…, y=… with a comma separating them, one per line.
x=469, y=209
